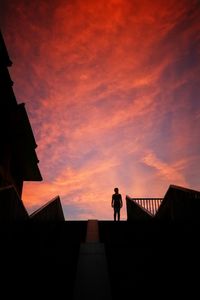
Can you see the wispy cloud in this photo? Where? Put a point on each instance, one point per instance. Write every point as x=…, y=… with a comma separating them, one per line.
x=104, y=82
x=169, y=172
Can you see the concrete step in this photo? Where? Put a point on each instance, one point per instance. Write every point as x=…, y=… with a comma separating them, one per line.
x=92, y=281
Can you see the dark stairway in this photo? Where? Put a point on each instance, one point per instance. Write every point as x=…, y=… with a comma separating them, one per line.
x=145, y=259
x=152, y=259
x=40, y=260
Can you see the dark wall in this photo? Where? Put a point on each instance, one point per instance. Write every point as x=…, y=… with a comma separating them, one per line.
x=52, y=211
x=11, y=206
x=180, y=204
x=135, y=212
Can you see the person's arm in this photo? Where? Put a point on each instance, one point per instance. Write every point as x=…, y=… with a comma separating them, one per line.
x=112, y=202
x=121, y=202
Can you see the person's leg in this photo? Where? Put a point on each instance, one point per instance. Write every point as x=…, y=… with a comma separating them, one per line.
x=115, y=214
x=118, y=215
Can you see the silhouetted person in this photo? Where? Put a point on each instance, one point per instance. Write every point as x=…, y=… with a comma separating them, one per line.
x=116, y=203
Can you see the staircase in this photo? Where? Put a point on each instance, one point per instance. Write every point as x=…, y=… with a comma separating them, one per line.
x=118, y=260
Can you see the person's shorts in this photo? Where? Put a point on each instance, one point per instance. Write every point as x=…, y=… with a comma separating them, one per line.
x=116, y=208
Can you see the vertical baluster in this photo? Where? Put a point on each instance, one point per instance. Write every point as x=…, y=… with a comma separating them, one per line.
x=151, y=207
x=154, y=207
x=158, y=203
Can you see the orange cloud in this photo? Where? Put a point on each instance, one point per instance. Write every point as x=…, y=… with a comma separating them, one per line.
x=111, y=89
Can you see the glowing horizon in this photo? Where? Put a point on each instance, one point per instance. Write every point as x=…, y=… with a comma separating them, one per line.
x=112, y=93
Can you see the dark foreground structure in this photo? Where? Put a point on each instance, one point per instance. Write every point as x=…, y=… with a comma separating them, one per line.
x=154, y=254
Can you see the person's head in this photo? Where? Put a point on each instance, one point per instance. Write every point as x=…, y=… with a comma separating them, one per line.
x=116, y=190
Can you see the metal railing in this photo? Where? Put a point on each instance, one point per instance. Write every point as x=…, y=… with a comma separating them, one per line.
x=150, y=205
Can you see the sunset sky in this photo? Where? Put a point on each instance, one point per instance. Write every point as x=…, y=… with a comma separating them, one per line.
x=112, y=90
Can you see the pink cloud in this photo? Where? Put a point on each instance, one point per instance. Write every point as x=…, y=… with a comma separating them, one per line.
x=165, y=170
x=112, y=94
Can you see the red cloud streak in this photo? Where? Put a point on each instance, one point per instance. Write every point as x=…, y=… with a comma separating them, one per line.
x=112, y=92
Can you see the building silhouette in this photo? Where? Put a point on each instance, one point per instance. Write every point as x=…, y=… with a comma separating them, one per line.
x=178, y=204
x=18, y=160
x=154, y=254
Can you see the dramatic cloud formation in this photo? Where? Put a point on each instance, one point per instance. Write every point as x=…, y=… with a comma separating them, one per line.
x=112, y=92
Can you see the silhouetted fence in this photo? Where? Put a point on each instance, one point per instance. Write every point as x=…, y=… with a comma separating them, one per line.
x=150, y=205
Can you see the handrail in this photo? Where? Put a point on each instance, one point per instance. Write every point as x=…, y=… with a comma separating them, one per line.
x=57, y=198
x=150, y=205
